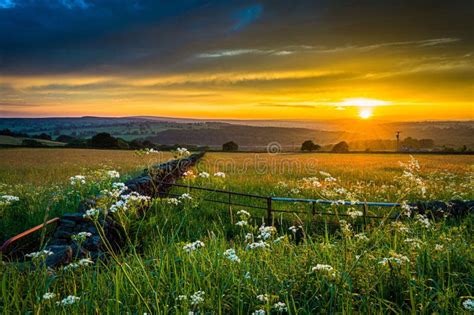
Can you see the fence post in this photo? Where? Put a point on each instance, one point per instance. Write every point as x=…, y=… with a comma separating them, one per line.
x=269, y=211
x=230, y=210
x=365, y=214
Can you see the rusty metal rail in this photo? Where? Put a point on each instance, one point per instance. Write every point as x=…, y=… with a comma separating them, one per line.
x=11, y=241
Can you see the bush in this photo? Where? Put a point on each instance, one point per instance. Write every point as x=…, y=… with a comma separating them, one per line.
x=43, y=136
x=31, y=143
x=341, y=147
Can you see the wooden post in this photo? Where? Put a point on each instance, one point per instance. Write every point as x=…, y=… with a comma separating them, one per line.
x=365, y=214
x=269, y=211
x=230, y=210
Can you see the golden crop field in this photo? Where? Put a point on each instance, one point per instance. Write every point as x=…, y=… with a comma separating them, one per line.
x=53, y=166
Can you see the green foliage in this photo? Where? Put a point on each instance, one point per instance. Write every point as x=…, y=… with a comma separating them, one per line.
x=310, y=146
x=321, y=265
x=341, y=147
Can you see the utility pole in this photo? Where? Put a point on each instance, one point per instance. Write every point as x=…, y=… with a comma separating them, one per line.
x=398, y=140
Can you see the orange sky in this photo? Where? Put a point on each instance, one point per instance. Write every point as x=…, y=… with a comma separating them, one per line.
x=263, y=60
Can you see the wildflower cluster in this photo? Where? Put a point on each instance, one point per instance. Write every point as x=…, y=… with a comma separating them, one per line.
x=69, y=300
x=77, y=180
x=39, y=255
x=84, y=262
x=81, y=236
x=190, y=247
x=244, y=216
x=181, y=153
x=231, y=255
x=6, y=200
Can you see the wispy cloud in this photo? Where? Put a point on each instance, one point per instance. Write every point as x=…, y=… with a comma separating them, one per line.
x=290, y=50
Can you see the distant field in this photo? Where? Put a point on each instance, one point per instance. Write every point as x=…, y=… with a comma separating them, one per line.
x=18, y=141
x=55, y=166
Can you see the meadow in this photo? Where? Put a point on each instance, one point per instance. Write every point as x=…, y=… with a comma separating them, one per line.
x=188, y=255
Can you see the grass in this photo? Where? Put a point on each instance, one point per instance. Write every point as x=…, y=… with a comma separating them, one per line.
x=402, y=267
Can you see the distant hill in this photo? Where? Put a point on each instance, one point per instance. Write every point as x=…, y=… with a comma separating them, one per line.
x=247, y=133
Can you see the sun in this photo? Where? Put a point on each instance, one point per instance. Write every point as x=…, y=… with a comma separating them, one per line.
x=365, y=113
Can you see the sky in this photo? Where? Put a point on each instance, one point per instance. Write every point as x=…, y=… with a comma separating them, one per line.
x=391, y=60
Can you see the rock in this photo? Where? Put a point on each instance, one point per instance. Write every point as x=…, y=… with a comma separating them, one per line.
x=75, y=216
x=63, y=234
x=66, y=222
x=62, y=255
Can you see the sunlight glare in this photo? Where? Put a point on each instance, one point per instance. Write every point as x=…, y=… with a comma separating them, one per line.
x=365, y=113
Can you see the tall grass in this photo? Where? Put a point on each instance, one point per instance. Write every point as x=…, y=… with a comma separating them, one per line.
x=399, y=267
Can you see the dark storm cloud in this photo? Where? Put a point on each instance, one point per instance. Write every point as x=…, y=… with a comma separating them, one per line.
x=159, y=37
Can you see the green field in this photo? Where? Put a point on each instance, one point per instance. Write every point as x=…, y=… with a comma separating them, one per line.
x=326, y=264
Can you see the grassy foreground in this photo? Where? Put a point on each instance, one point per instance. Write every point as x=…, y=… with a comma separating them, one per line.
x=187, y=255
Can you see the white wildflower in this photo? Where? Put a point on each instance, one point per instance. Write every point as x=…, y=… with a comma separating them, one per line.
x=263, y=298
x=294, y=191
x=6, y=200
x=259, y=244
x=81, y=236
x=172, y=201
x=241, y=223
x=113, y=174
x=266, y=231
x=118, y=205
x=77, y=180
x=468, y=305
x=49, y=296
x=40, y=254
x=294, y=229
x=181, y=298
x=354, y=213
x=190, y=247
x=85, y=262
x=243, y=213
x=71, y=299
x=423, y=220
x=219, y=174
x=322, y=267
x=185, y=196
x=231, y=255
x=259, y=312
x=91, y=213
x=439, y=248
x=280, y=307
x=197, y=298
x=204, y=175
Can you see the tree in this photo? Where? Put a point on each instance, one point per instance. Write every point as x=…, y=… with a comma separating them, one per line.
x=230, y=146
x=341, y=147
x=31, y=143
x=310, y=146
x=426, y=143
x=104, y=140
x=65, y=138
x=43, y=136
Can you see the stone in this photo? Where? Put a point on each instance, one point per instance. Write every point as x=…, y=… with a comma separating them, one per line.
x=75, y=216
x=66, y=222
x=62, y=255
